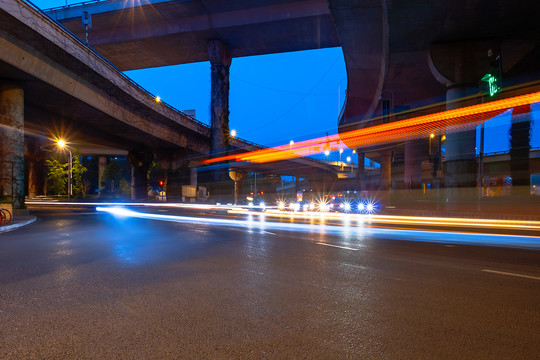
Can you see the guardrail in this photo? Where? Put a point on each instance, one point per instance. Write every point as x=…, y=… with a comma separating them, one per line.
x=74, y=4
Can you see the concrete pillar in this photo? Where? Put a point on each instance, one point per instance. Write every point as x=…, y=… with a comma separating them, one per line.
x=520, y=135
x=412, y=175
x=193, y=176
x=460, y=66
x=12, y=143
x=386, y=169
x=35, y=161
x=460, y=166
x=361, y=172
x=220, y=61
x=140, y=163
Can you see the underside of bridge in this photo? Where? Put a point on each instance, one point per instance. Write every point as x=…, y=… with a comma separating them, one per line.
x=403, y=59
x=406, y=59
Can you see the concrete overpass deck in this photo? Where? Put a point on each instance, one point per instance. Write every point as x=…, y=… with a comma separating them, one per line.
x=132, y=34
x=66, y=82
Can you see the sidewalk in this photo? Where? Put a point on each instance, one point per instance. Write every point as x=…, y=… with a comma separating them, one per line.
x=17, y=222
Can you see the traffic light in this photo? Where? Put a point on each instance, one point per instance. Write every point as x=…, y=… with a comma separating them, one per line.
x=494, y=77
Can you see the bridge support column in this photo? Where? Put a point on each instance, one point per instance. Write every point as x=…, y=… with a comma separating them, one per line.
x=460, y=66
x=220, y=61
x=35, y=161
x=412, y=175
x=140, y=163
x=520, y=135
x=219, y=103
x=460, y=166
x=12, y=143
x=193, y=176
x=361, y=173
x=386, y=169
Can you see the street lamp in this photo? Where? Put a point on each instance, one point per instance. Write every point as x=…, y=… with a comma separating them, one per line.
x=62, y=145
x=233, y=133
x=326, y=152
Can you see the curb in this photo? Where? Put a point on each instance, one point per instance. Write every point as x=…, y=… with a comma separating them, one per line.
x=17, y=224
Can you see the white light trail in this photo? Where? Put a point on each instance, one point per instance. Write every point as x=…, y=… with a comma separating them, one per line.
x=359, y=231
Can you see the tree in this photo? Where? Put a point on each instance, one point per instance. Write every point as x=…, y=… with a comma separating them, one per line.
x=78, y=170
x=110, y=180
x=57, y=176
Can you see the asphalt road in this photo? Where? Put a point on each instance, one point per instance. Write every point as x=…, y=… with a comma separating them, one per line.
x=85, y=285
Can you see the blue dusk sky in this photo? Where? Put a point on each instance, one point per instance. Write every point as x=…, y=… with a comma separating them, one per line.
x=277, y=98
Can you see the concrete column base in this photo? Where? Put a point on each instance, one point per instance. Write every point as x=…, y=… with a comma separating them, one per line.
x=12, y=143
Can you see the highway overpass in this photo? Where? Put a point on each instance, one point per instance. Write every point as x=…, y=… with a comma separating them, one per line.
x=54, y=85
x=398, y=55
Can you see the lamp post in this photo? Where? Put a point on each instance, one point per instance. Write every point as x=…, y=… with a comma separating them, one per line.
x=326, y=153
x=340, y=162
x=62, y=145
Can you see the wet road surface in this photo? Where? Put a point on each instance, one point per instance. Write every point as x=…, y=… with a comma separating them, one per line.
x=80, y=284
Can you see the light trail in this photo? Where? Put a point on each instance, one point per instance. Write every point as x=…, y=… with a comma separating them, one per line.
x=164, y=205
x=511, y=274
x=528, y=225
x=349, y=231
x=403, y=130
x=407, y=220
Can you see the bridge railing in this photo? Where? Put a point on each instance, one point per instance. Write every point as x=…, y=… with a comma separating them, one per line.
x=149, y=94
x=80, y=3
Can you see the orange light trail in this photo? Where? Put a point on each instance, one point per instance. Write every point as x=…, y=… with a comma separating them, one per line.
x=404, y=220
x=422, y=126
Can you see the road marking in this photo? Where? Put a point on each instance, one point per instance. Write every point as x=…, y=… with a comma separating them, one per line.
x=337, y=246
x=511, y=274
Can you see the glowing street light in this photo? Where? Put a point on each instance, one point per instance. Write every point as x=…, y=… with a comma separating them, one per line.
x=158, y=99
x=62, y=145
x=326, y=153
x=233, y=133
